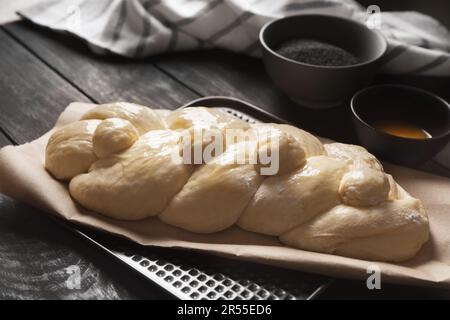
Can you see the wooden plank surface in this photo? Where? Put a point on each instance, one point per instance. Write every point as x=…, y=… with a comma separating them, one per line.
x=103, y=79
x=32, y=96
x=4, y=141
x=36, y=251
x=35, y=254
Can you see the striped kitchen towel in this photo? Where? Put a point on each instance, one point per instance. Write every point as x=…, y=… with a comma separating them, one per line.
x=418, y=44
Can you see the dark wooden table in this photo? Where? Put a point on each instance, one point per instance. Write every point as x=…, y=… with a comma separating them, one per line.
x=41, y=72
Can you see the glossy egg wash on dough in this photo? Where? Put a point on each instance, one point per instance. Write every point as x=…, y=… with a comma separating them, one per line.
x=123, y=161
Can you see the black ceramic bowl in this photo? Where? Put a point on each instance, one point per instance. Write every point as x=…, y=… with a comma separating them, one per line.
x=401, y=103
x=314, y=85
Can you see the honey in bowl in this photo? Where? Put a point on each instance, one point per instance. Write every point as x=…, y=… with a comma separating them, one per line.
x=401, y=129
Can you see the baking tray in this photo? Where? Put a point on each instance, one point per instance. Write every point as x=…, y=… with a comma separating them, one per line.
x=193, y=275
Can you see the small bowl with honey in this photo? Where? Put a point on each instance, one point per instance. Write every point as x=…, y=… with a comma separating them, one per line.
x=402, y=124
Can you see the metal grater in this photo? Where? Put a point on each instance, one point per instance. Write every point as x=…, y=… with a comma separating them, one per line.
x=197, y=276
x=191, y=275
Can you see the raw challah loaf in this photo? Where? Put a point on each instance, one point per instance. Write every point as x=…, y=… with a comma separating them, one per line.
x=128, y=162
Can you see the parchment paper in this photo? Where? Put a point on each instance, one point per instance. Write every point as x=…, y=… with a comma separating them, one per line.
x=23, y=177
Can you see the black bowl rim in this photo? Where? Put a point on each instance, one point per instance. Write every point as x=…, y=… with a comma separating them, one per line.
x=326, y=16
x=410, y=88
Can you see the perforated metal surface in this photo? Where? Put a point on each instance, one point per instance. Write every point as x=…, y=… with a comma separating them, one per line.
x=192, y=275
x=211, y=278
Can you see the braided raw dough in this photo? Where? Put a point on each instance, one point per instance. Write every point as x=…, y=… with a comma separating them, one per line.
x=332, y=198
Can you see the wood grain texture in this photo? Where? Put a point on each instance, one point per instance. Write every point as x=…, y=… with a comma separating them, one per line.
x=103, y=79
x=35, y=253
x=4, y=141
x=32, y=96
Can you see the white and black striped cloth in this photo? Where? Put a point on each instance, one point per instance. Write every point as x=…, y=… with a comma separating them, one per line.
x=418, y=44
